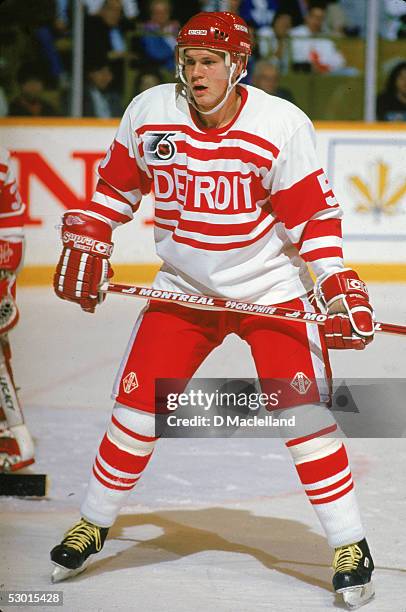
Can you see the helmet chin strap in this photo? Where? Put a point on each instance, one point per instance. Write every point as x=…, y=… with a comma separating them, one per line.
x=230, y=86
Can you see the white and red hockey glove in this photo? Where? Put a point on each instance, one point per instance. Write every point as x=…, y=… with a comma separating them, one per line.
x=11, y=258
x=350, y=324
x=84, y=263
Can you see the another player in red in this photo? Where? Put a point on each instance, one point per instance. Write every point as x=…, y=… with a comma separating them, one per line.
x=16, y=445
x=241, y=208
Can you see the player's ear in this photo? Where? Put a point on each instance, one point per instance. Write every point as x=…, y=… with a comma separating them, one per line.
x=239, y=69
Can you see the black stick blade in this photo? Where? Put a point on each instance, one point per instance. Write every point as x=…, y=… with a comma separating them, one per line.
x=23, y=485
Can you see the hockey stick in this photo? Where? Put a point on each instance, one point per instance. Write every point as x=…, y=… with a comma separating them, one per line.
x=23, y=485
x=216, y=303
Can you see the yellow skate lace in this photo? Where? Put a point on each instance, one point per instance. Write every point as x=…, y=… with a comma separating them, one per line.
x=82, y=534
x=346, y=558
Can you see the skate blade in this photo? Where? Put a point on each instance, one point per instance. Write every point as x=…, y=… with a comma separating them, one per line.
x=60, y=573
x=355, y=597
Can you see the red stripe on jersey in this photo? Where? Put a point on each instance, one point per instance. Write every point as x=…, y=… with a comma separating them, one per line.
x=208, y=246
x=121, y=460
x=210, y=137
x=118, y=479
x=327, y=500
x=107, y=212
x=300, y=202
x=107, y=484
x=105, y=189
x=317, y=434
x=239, y=153
x=3, y=168
x=254, y=139
x=329, y=488
x=311, y=472
x=317, y=228
x=121, y=170
x=322, y=253
x=168, y=214
x=171, y=228
x=215, y=229
x=131, y=433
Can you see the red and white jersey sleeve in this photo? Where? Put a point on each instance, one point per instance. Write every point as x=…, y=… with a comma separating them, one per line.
x=11, y=207
x=239, y=210
x=121, y=183
x=303, y=200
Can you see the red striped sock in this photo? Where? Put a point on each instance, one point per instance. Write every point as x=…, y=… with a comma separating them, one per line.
x=122, y=457
x=328, y=483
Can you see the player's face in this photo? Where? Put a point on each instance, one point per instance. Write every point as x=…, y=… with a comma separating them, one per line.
x=207, y=76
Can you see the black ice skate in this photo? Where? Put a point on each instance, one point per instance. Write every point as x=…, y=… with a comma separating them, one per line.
x=353, y=567
x=71, y=556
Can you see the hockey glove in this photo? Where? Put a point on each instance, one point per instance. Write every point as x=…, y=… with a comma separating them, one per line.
x=84, y=263
x=350, y=324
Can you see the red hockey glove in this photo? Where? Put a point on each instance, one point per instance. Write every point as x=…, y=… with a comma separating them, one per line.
x=11, y=257
x=351, y=320
x=83, y=266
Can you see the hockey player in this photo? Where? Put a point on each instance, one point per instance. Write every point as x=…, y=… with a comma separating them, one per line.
x=16, y=445
x=242, y=206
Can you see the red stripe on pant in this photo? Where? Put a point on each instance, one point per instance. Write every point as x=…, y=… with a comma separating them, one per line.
x=120, y=459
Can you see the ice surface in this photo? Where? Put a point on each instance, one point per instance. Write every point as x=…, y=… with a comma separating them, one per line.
x=214, y=525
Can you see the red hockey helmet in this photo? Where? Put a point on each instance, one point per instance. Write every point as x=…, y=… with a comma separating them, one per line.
x=219, y=31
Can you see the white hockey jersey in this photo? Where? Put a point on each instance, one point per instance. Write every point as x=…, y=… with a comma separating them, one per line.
x=239, y=210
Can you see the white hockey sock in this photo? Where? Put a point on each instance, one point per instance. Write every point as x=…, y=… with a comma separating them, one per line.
x=322, y=464
x=123, y=454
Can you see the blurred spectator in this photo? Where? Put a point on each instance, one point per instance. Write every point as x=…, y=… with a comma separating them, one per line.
x=311, y=51
x=30, y=101
x=258, y=12
x=147, y=79
x=266, y=77
x=393, y=19
x=297, y=9
x=105, y=37
x=336, y=18
x=52, y=24
x=391, y=103
x=159, y=35
x=99, y=99
x=130, y=7
x=61, y=23
x=274, y=43
x=355, y=14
